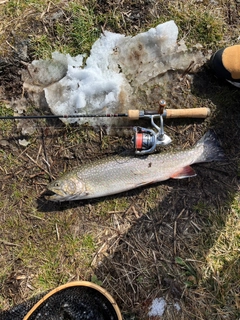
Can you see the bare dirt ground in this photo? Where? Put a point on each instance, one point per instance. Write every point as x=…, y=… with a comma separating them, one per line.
x=147, y=243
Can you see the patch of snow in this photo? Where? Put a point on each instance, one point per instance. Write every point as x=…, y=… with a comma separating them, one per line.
x=118, y=68
x=177, y=306
x=157, y=308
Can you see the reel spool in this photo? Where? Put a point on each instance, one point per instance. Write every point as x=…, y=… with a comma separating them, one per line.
x=145, y=140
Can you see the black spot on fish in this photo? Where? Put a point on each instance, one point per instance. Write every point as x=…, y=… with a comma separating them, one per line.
x=150, y=164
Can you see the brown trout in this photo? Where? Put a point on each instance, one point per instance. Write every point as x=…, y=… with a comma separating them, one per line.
x=116, y=174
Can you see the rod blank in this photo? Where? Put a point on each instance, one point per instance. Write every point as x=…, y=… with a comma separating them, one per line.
x=132, y=114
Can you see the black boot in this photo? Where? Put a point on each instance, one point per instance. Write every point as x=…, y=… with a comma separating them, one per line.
x=226, y=64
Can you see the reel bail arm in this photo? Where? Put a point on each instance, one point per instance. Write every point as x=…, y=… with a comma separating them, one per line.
x=146, y=140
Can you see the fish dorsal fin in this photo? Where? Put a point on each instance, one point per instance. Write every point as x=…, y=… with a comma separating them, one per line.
x=185, y=172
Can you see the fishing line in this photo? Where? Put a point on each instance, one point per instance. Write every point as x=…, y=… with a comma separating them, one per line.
x=73, y=128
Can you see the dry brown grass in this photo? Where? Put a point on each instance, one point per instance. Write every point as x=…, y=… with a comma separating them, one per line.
x=179, y=239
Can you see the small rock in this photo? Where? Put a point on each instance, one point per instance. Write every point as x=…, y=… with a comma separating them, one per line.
x=23, y=142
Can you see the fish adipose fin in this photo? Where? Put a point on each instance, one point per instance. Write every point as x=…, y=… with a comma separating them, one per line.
x=185, y=172
x=212, y=150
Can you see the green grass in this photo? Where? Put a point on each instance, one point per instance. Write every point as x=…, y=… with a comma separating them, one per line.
x=80, y=25
x=6, y=126
x=9, y=161
x=222, y=268
x=198, y=26
x=108, y=207
x=84, y=29
x=75, y=254
x=49, y=250
x=225, y=251
x=74, y=36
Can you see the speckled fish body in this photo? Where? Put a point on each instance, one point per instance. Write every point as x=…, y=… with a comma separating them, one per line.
x=116, y=174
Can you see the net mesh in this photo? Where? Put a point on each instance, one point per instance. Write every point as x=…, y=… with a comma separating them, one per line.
x=73, y=303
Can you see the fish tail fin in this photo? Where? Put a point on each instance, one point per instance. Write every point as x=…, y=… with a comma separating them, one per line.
x=212, y=150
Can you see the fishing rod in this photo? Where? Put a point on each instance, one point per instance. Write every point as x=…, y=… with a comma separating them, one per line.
x=144, y=140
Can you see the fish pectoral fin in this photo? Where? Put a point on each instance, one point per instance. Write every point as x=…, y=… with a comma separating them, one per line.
x=185, y=172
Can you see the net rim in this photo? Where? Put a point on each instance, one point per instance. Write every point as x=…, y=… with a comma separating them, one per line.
x=76, y=284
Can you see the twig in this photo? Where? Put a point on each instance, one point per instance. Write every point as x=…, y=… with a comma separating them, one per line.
x=9, y=243
x=29, y=157
x=175, y=232
x=58, y=237
x=155, y=264
x=11, y=46
x=45, y=154
x=174, y=238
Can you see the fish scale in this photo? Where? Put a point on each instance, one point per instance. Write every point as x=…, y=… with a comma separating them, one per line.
x=116, y=174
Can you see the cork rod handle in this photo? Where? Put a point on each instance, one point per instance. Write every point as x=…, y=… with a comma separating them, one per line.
x=187, y=113
x=172, y=113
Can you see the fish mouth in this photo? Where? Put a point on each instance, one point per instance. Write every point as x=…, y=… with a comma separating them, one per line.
x=55, y=195
x=59, y=196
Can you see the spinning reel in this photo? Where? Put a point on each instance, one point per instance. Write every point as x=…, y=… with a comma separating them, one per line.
x=145, y=140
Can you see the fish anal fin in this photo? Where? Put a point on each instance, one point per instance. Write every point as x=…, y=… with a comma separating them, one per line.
x=185, y=172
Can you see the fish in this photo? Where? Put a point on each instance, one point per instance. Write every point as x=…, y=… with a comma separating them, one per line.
x=119, y=173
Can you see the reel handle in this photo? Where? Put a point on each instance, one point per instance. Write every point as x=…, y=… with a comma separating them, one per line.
x=171, y=113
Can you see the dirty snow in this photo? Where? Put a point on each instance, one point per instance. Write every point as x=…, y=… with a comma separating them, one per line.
x=117, y=69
